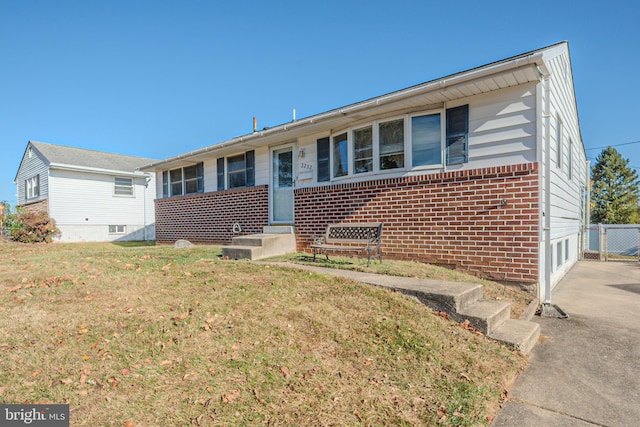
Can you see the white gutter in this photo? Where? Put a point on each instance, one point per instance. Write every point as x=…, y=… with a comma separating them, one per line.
x=60, y=166
x=432, y=86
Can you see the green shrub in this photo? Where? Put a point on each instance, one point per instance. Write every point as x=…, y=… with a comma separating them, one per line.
x=32, y=227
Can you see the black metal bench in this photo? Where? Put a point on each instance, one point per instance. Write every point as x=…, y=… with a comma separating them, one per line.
x=353, y=236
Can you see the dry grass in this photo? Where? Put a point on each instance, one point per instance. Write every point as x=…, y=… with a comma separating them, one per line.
x=168, y=337
x=518, y=297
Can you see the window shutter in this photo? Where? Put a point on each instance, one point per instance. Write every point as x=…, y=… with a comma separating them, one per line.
x=220, y=167
x=458, y=135
x=323, y=159
x=250, y=168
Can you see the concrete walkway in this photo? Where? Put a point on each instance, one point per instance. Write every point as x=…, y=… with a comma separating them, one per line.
x=586, y=369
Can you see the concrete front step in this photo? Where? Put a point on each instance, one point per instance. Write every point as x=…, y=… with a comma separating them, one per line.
x=486, y=316
x=258, y=246
x=521, y=335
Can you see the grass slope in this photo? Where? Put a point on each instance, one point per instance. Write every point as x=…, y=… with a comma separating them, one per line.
x=159, y=336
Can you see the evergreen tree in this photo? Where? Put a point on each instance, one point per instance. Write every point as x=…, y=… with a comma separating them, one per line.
x=614, y=193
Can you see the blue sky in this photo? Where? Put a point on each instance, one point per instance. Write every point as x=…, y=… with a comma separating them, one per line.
x=159, y=78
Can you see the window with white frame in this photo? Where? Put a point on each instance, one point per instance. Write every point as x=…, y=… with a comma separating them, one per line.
x=32, y=187
x=559, y=258
x=186, y=180
x=117, y=229
x=391, y=144
x=123, y=186
x=340, y=155
x=426, y=140
x=363, y=150
x=430, y=139
x=240, y=170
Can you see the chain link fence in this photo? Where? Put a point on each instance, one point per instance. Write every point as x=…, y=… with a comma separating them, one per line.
x=613, y=242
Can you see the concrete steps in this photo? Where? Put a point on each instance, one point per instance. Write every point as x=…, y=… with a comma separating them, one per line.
x=272, y=242
x=463, y=301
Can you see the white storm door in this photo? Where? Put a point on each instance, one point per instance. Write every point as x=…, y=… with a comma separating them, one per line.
x=282, y=185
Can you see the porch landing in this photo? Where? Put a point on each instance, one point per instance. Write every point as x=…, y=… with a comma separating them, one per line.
x=275, y=240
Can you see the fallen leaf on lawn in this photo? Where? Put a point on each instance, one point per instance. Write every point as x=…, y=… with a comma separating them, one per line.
x=261, y=401
x=181, y=316
x=228, y=398
x=14, y=289
x=167, y=267
x=186, y=273
x=86, y=357
x=36, y=373
x=285, y=371
x=166, y=363
x=469, y=327
x=442, y=314
x=129, y=424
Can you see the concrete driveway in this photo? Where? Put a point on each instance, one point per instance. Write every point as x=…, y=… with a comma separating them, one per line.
x=585, y=370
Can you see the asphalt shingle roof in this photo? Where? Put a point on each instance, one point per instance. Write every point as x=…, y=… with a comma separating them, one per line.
x=71, y=156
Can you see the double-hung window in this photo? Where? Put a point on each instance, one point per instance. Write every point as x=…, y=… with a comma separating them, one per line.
x=240, y=170
x=32, y=187
x=391, y=144
x=363, y=150
x=123, y=186
x=340, y=155
x=187, y=180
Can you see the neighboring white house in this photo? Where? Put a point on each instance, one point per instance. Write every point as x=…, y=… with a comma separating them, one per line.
x=92, y=195
x=483, y=170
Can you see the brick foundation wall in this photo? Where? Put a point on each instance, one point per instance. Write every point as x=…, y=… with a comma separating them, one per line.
x=39, y=206
x=482, y=221
x=209, y=217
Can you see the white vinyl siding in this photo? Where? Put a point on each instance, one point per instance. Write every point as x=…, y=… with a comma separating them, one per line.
x=84, y=207
x=32, y=165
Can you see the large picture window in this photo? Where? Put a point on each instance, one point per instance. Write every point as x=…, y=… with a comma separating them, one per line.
x=426, y=137
x=187, y=180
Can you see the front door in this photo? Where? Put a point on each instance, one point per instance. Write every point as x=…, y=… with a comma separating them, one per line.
x=282, y=186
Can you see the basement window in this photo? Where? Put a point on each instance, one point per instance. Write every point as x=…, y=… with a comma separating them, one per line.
x=117, y=229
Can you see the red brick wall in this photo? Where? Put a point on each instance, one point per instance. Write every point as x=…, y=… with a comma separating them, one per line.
x=209, y=217
x=455, y=218
x=39, y=206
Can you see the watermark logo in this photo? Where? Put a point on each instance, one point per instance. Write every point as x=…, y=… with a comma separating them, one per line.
x=34, y=415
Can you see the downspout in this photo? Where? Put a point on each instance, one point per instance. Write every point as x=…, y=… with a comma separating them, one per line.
x=547, y=191
x=548, y=309
x=147, y=179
